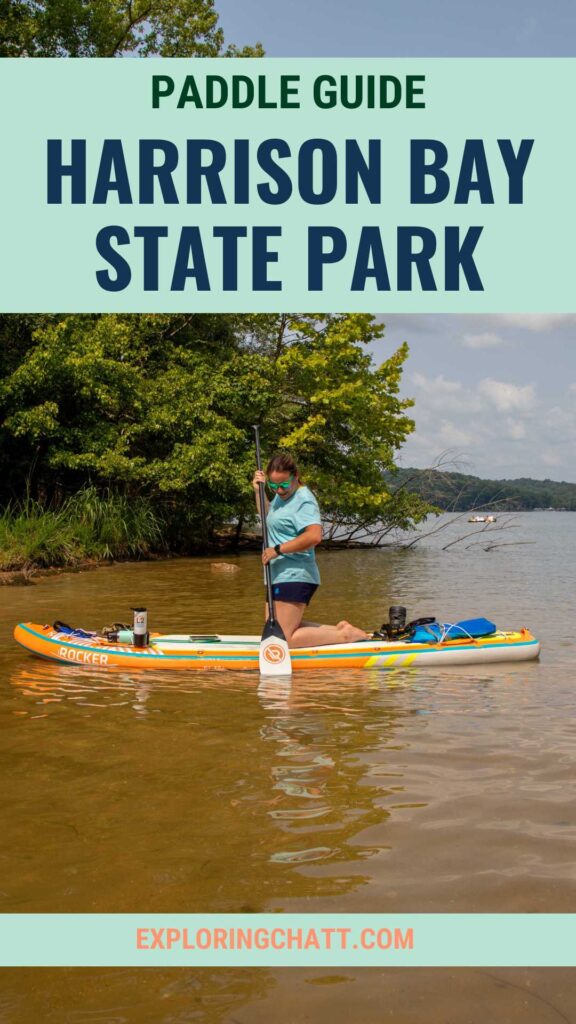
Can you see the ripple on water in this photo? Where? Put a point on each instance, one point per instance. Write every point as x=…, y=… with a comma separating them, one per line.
x=301, y=856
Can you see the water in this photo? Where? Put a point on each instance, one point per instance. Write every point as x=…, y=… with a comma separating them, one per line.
x=438, y=791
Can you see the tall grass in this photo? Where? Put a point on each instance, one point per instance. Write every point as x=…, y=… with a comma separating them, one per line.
x=88, y=525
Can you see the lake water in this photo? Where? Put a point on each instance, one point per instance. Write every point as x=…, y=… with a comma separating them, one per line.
x=430, y=791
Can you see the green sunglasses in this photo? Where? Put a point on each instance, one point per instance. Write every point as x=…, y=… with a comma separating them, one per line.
x=281, y=487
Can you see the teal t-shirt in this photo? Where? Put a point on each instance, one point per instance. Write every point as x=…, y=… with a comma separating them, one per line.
x=286, y=519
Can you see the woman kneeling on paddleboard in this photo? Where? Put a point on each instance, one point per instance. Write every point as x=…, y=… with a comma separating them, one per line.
x=294, y=530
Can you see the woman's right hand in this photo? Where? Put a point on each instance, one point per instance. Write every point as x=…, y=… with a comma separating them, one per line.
x=258, y=478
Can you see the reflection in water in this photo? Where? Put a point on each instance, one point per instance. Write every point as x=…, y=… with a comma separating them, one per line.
x=123, y=996
x=51, y=683
x=315, y=757
x=403, y=791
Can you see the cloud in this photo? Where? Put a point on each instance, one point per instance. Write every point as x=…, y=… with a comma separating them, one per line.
x=410, y=323
x=485, y=340
x=559, y=422
x=499, y=387
x=515, y=429
x=535, y=322
x=436, y=385
x=507, y=397
x=455, y=325
x=450, y=435
x=550, y=457
x=441, y=396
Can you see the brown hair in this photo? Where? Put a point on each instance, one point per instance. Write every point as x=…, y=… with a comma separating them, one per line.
x=282, y=463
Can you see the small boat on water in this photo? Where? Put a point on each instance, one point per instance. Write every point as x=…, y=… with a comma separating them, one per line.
x=482, y=519
x=240, y=653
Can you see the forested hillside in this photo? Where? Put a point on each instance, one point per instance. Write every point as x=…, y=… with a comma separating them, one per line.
x=460, y=492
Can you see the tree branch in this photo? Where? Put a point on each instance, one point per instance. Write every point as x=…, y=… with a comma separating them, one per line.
x=132, y=22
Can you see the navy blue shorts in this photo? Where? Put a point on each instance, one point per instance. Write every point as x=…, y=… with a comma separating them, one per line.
x=294, y=593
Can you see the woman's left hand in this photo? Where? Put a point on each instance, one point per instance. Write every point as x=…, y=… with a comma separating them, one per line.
x=268, y=554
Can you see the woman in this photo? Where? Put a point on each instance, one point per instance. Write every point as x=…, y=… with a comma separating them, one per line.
x=294, y=531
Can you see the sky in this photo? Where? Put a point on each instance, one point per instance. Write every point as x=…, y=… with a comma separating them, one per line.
x=496, y=392
x=396, y=28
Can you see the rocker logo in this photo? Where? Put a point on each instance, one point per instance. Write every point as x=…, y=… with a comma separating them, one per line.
x=274, y=653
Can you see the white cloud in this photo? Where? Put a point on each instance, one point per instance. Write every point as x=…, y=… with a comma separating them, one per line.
x=535, y=322
x=559, y=421
x=450, y=435
x=436, y=385
x=551, y=457
x=507, y=397
x=464, y=399
x=444, y=397
x=485, y=340
x=515, y=429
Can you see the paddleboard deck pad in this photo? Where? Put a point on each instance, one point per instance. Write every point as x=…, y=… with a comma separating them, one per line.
x=240, y=653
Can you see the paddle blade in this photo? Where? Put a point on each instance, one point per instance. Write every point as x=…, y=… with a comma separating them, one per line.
x=274, y=655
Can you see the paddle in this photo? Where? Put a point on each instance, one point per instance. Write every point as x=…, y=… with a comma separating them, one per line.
x=274, y=657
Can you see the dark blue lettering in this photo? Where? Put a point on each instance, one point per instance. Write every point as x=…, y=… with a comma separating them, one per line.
x=370, y=262
x=112, y=174
x=328, y=175
x=357, y=169
x=117, y=262
x=76, y=171
x=230, y=236
x=197, y=170
x=420, y=170
x=460, y=257
x=190, y=244
x=474, y=174
x=241, y=171
x=271, y=168
x=261, y=257
x=421, y=259
x=317, y=256
x=151, y=236
x=149, y=170
x=515, y=164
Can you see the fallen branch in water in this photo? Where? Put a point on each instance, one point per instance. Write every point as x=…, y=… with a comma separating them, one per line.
x=501, y=544
x=486, y=528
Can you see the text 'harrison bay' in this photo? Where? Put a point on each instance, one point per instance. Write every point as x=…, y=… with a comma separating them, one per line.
x=318, y=175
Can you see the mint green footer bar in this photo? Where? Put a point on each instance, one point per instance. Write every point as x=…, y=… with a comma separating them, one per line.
x=288, y=940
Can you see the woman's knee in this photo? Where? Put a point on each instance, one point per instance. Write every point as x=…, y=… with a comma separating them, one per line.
x=289, y=616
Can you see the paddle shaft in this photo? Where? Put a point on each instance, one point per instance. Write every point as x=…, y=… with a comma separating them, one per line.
x=262, y=491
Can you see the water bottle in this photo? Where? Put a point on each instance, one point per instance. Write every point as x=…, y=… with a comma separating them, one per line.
x=141, y=634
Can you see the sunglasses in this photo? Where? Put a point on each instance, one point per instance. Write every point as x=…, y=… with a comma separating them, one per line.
x=283, y=486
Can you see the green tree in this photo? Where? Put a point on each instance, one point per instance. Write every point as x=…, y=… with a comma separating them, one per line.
x=126, y=402
x=163, y=405
x=113, y=28
x=339, y=414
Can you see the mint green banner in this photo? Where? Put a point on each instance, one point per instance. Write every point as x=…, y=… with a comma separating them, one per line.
x=261, y=185
x=288, y=940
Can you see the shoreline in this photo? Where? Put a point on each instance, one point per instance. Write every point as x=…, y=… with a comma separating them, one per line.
x=27, y=576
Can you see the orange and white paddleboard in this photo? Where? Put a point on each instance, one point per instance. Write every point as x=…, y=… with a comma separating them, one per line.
x=241, y=653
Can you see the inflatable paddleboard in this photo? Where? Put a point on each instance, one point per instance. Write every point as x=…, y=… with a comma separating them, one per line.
x=240, y=653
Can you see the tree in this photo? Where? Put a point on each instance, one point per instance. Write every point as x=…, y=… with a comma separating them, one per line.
x=114, y=28
x=163, y=405
x=126, y=402
x=340, y=415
